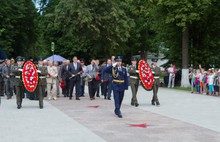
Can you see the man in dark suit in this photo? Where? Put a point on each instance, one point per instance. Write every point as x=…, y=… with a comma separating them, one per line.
x=106, y=79
x=65, y=74
x=75, y=69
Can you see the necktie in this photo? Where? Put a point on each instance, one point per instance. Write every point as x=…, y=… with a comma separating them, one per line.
x=9, y=70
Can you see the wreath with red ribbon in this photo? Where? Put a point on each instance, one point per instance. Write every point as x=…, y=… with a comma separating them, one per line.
x=145, y=74
x=29, y=76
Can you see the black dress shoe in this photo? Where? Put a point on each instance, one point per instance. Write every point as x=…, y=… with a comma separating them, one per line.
x=19, y=106
x=109, y=98
x=70, y=98
x=157, y=103
x=105, y=97
x=41, y=107
x=152, y=102
x=97, y=96
x=77, y=99
x=136, y=105
x=119, y=115
x=132, y=103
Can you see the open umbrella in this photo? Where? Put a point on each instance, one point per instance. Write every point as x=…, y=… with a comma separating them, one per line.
x=56, y=58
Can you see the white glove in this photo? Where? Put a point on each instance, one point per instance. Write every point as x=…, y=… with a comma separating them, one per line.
x=114, y=64
x=137, y=71
x=20, y=70
x=73, y=75
x=153, y=72
x=38, y=71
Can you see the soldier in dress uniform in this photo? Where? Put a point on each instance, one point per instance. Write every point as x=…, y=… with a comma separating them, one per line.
x=42, y=84
x=119, y=83
x=156, y=72
x=134, y=81
x=17, y=71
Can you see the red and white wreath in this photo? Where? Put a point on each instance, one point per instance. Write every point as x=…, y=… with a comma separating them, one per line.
x=145, y=74
x=30, y=76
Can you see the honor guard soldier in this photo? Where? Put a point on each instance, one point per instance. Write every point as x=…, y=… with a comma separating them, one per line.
x=17, y=71
x=119, y=83
x=156, y=72
x=42, y=84
x=134, y=81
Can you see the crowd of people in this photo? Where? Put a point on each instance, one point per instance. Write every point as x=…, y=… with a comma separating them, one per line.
x=68, y=78
x=63, y=78
x=205, y=82
x=77, y=74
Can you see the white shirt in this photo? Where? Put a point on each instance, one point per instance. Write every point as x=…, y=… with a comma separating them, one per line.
x=171, y=71
x=75, y=65
x=211, y=79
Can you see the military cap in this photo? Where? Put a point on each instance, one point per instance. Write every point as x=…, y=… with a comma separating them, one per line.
x=19, y=58
x=154, y=59
x=118, y=58
x=40, y=59
x=133, y=58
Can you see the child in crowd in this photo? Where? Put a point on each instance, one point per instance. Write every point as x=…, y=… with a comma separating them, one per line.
x=210, y=82
x=193, y=77
x=201, y=83
x=197, y=83
x=205, y=83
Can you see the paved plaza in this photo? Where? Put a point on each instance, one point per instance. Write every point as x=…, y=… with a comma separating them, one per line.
x=182, y=117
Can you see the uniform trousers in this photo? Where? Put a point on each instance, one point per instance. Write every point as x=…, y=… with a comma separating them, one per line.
x=118, y=98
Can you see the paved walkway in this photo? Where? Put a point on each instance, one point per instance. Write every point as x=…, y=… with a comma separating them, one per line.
x=181, y=117
x=31, y=124
x=201, y=110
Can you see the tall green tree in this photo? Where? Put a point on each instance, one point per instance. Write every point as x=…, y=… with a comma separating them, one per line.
x=141, y=39
x=89, y=28
x=183, y=14
x=17, y=18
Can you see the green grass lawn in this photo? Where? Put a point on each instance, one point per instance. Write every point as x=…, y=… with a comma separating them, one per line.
x=182, y=88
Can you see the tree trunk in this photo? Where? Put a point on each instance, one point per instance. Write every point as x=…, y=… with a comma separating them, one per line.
x=143, y=55
x=185, y=59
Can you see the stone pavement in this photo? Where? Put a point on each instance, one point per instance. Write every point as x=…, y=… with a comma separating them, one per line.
x=181, y=117
x=31, y=124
